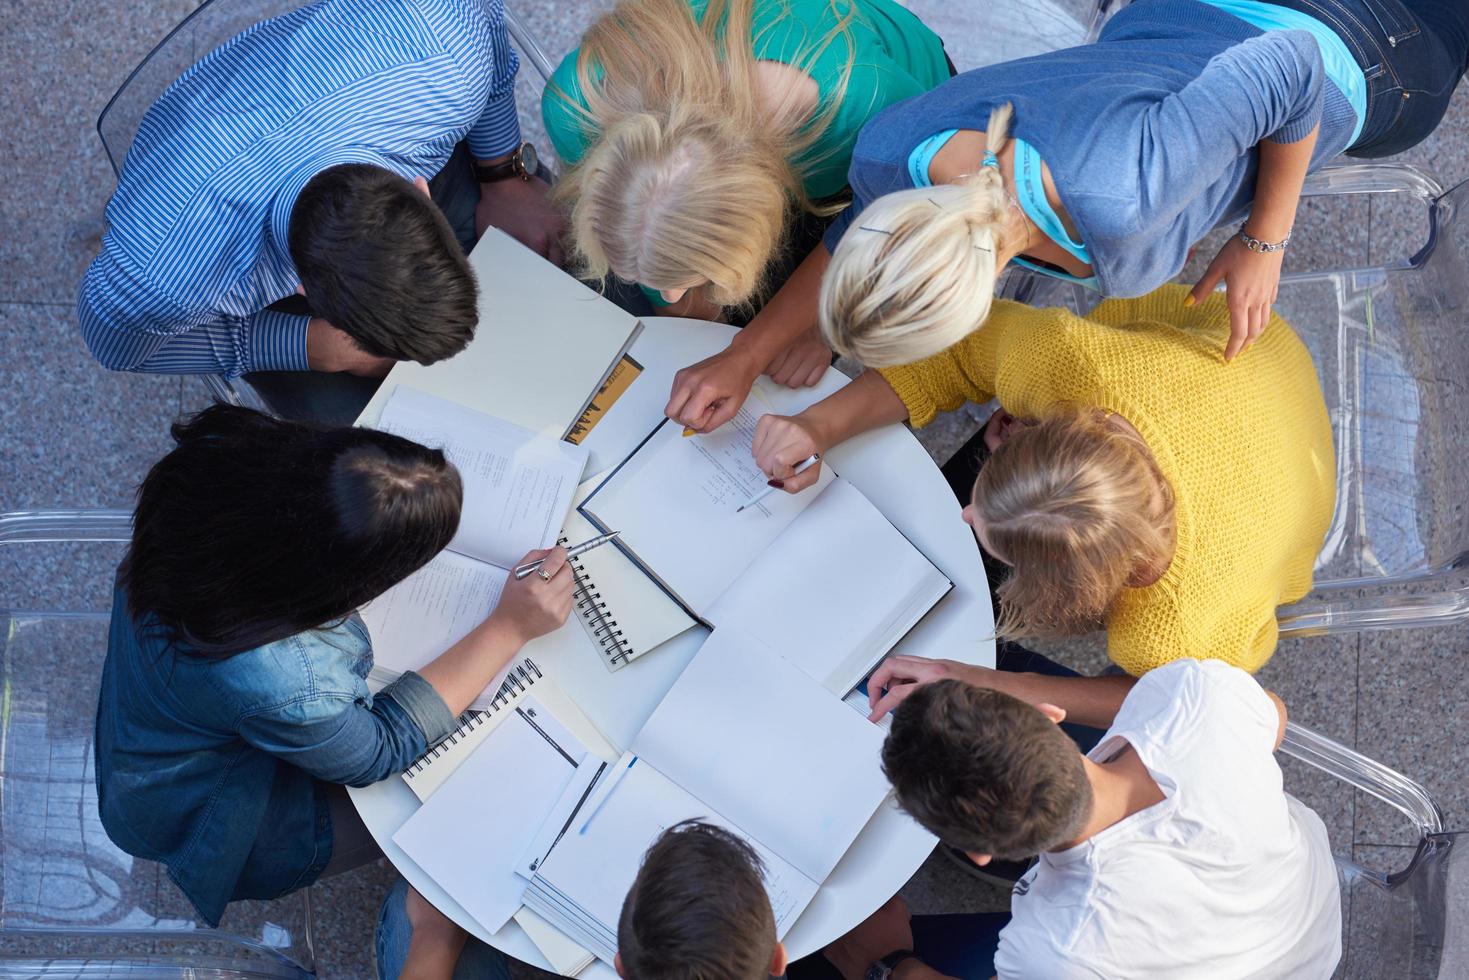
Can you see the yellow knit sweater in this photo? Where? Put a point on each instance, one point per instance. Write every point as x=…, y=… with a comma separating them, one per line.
x=1246, y=447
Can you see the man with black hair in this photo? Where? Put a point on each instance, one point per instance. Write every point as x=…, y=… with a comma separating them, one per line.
x=1168, y=850
x=297, y=159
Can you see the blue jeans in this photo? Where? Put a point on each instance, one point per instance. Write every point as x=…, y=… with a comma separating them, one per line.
x=1413, y=53
x=477, y=962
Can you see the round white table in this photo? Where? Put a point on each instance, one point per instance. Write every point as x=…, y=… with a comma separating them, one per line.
x=897, y=475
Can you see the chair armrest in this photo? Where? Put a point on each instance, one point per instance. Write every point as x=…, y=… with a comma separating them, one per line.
x=1439, y=600
x=1367, y=775
x=66, y=525
x=529, y=46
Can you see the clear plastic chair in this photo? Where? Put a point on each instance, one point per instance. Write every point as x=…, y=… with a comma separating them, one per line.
x=1388, y=342
x=1404, y=922
x=71, y=903
x=209, y=26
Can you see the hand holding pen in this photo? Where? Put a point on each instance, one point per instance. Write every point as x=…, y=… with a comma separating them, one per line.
x=784, y=448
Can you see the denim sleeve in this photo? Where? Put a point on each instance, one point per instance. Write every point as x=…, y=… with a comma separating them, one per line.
x=1267, y=87
x=355, y=741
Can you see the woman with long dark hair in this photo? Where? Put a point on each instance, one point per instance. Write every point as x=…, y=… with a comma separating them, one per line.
x=234, y=703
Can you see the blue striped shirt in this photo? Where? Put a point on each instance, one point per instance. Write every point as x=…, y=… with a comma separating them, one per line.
x=196, y=246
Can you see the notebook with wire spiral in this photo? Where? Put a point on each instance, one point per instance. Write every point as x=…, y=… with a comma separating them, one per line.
x=623, y=611
x=475, y=725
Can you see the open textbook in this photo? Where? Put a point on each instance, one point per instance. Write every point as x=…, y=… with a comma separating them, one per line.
x=544, y=347
x=744, y=740
x=518, y=487
x=820, y=575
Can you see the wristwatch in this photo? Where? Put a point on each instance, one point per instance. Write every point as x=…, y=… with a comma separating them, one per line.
x=883, y=968
x=522, y=163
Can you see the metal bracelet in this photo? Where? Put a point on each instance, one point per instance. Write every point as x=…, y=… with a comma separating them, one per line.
x=1255, y=245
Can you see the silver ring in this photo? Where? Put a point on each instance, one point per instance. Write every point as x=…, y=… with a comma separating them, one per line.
x=545, y=576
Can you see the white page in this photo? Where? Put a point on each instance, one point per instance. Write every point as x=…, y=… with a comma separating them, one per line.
x=597, y=860
x=544, y=344
x=431, y=610
x=675, y=503
x=753, y=737
x=517, y=485
x=864, y=586
x=470, y=834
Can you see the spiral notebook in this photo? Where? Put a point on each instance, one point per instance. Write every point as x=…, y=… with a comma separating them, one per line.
x=436, y=765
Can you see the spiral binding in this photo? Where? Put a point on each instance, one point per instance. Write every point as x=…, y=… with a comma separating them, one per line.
x=594, y=612
x=521, y=679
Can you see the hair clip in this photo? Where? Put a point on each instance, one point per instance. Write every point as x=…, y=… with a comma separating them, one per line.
x=935, y=204
x=875, y=231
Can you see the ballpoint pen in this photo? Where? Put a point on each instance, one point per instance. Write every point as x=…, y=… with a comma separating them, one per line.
x=521, y=571
x=801, y=467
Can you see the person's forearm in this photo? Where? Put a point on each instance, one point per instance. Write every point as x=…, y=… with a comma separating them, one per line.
x=460, y=673
x=1090, y=701
x=1278, y=183
x=790, y=312
x=867, y=403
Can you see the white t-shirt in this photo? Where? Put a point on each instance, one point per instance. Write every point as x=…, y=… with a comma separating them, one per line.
x=1228, y=877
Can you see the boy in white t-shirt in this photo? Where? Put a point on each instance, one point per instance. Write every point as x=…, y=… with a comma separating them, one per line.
x=1169, y=850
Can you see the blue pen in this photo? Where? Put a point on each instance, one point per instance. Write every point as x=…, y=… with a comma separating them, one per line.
x=606, y=796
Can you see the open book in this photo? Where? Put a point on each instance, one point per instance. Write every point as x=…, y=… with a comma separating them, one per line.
x=518, y=487
x=743, y=740
x=544, y=347
x=820, y=575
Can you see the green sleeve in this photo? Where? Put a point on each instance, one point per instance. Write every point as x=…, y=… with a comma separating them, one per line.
x=562, y=108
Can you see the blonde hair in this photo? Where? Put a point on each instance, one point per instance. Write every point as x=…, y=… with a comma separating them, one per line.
x=915, y=273
x=1071, y=503
x=686, y=180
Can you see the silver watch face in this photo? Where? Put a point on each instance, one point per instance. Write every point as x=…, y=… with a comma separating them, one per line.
x=879, y=971
x=529, y=161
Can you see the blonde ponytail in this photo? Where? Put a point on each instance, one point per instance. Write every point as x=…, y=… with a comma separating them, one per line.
x=915, y=272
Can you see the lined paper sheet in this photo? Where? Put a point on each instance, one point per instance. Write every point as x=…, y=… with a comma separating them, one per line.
x=517, y=485
x=431, y=610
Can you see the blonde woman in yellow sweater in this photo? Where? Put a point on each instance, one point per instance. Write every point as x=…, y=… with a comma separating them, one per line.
x=1137, y=480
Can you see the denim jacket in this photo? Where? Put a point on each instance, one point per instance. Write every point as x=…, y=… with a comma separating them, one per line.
x=214, y=767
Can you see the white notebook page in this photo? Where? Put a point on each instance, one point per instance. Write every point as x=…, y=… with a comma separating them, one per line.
x=862, y=586
x=675, y=503
x=754, y=738
x=517, y=485
x=471, y=832
x=544, y=344
x=431, y=610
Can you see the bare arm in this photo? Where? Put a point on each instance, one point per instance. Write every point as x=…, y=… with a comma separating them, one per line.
x=1252, y=279
x=708, y=394
x=528, y=608
x=1090, y=701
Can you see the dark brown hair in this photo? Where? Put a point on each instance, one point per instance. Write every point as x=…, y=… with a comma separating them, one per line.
x=378, y=260
x=985, y=772
x=698, y=910
x=254, y=529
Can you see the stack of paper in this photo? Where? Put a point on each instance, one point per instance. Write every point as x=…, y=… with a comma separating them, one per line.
x=743, y=740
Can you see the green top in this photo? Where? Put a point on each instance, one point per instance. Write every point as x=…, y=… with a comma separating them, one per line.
x=894, y=57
